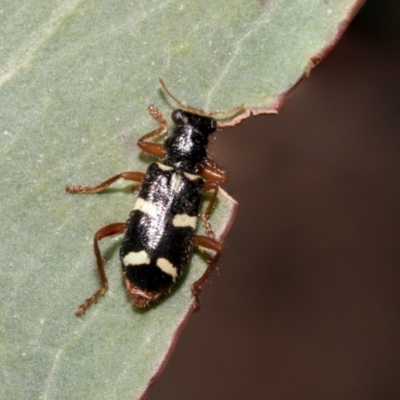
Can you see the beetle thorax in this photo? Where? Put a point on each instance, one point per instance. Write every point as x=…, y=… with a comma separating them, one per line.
x=187, y=146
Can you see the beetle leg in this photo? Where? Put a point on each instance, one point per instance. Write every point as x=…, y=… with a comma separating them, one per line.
x=109, y=230
x=208, y=186
x=211, y=244
x=155, y=149
x=130, y=176
x=210, y=170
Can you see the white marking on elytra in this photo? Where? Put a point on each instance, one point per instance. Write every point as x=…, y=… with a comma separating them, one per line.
x=191, y=176
x=167, y=267
x=164, y=167
x=146, y=207
x=184, y=220
x=136, y=258
x=176, y=183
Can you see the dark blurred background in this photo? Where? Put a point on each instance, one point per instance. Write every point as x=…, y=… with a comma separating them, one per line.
x=305, y=303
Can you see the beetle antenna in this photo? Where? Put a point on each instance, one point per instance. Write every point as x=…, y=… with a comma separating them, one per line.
x=236, y=110
x=181, y=105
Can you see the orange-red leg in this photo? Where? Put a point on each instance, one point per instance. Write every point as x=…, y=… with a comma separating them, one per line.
x=208, y=186
x=130, y=176
x=109, y=230
x=211, y=171
x=155, y=149
x=211, y=244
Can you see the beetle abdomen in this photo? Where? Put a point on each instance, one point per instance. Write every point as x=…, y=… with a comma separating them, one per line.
x=158, y=234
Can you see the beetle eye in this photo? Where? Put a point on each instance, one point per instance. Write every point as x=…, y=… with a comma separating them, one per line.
x=178, y=117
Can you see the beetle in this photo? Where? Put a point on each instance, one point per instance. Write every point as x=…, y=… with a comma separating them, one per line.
x=160, y=232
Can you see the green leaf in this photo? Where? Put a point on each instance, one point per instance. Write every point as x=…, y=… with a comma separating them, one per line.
x=75, y=81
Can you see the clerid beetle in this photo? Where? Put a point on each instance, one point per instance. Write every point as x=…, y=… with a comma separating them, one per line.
x=160, y=232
